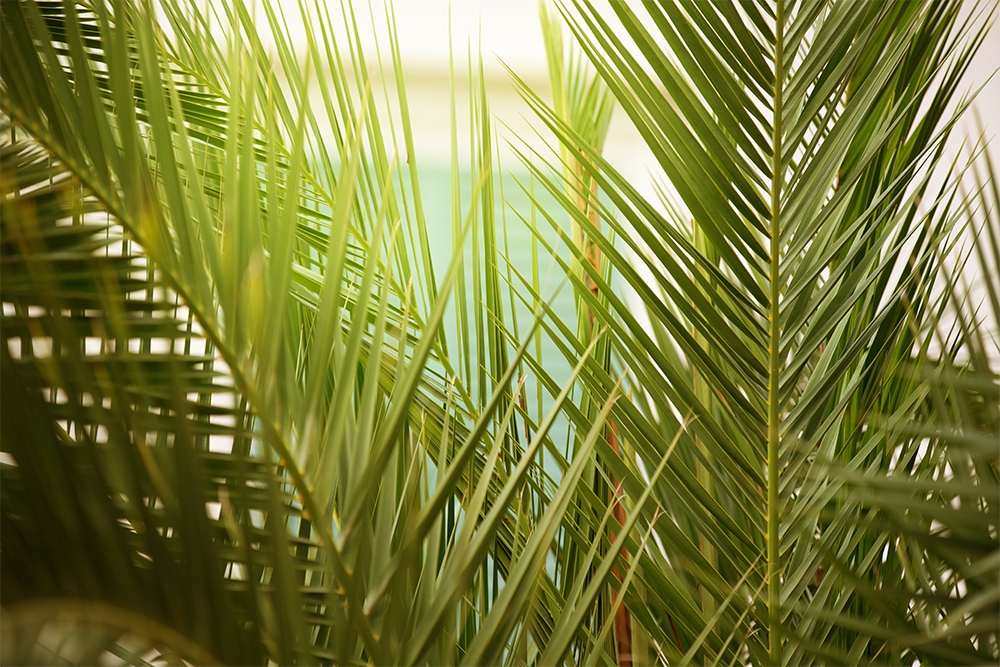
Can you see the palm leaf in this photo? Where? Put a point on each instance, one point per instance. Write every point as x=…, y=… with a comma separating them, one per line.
x=791, y=141
x=289, y=432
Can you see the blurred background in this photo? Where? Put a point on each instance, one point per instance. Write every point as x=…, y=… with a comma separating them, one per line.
x=509, y=31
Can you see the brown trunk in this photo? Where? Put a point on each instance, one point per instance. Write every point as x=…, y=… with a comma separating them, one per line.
x=623, y=620
x=586, y=200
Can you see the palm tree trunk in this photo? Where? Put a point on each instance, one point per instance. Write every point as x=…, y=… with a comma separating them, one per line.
x=586, y=200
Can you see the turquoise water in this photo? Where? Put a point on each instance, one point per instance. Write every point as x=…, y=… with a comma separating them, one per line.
x=520, y=242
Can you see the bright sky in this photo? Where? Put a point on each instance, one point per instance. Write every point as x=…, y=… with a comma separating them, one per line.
x=510, y=30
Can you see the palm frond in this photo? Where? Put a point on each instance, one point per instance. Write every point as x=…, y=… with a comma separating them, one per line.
x=275, y=418
x=794, y=254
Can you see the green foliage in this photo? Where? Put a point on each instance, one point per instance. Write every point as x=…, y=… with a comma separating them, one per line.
x=239, y=424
